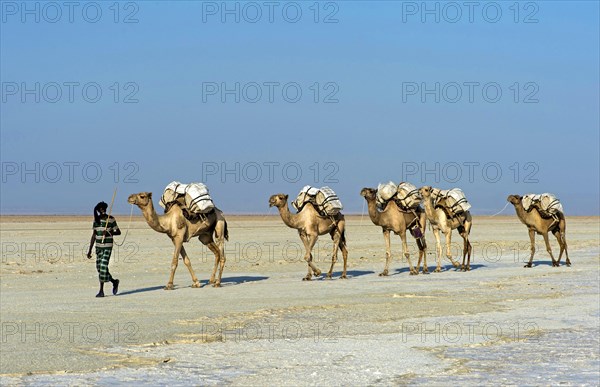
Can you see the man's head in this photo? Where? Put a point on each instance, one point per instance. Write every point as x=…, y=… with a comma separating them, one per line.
x=100, y=210
x=101, y=207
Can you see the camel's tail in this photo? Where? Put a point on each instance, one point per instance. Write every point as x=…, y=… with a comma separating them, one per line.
x=343, y=239
x=226, y=232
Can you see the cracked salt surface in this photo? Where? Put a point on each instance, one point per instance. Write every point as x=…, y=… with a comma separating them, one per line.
x=551, y=358
x=555, y=358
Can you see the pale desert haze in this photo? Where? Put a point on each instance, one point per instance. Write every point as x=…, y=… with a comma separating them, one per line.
x=499, y=323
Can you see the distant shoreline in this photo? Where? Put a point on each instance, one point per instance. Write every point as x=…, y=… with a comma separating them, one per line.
x=139, y=217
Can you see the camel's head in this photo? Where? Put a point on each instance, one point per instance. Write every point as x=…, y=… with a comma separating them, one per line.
x=141, y=199
x=514, y=199
x=368, y=193
x=278, y=200
x=426, y=191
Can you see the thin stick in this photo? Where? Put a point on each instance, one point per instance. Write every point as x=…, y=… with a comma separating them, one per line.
x=109, y=213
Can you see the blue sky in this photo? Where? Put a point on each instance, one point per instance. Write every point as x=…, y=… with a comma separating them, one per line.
x=164, y=112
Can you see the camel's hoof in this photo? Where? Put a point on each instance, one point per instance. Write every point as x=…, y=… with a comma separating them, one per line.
x=343, y=276
x=468, y=268
x=568, y=264
x=317, y=273
x=211, y=281
x=383, y=273
x=217, y=285
x=425, y=270
x=438, y=270
x=196, y=285
x=306, y=279
x=528, y=265
x=329, y=276
x=412, y=272
x=169, y=287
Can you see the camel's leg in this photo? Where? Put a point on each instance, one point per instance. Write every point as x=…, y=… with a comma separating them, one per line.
x=413, y=271
x=563, y=237
x=388, y=253
x=560, y=245
x=336, y=237
x=438, y=249
x=345, y=256
x=448, y=235
x=219, y=263
x=304, y=239
x=423, y=253
x=222, y=259
x=219, y=253
x=549, y=249
x=562, y=227
x=178, y=243
x=309, y=243
x=562, y=242
x=207, y=240
x=465, y=230
x=422, y=257
x=532, y=242
x=422, y=246
x=425, y=271
x=466, y=252
x=186, y=261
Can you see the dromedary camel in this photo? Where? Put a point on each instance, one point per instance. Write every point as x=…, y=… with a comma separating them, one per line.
x=393, y=219
x=536, y=223
x=310, y=224
x=181, y=230
x=440, y=221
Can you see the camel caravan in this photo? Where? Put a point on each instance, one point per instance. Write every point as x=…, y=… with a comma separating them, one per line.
x=189, y=212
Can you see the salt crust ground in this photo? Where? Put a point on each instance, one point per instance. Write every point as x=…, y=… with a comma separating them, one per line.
x=497, y=324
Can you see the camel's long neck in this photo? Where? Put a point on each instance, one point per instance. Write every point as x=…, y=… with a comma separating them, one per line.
x=521, y=213
x=428, y=204
x=287, y=217
x=152, y=218
x=373, y=213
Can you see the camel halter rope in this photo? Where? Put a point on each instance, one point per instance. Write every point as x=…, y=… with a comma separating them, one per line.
x=362, y=214
x=499, y=212
x=107, y=219
x=126, y=231
x=268, y=213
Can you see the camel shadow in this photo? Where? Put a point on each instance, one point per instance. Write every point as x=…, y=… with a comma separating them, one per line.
x=400, y=271
x=432, y=268
x=352, y=273
x=474, y=266
x=547, y=263
x=230, y=281
x=142, y=290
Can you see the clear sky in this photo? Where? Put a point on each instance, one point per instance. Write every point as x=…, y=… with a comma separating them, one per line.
x=256, y=98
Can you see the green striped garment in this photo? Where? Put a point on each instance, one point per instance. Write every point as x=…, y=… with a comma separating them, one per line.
x=99, y=230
